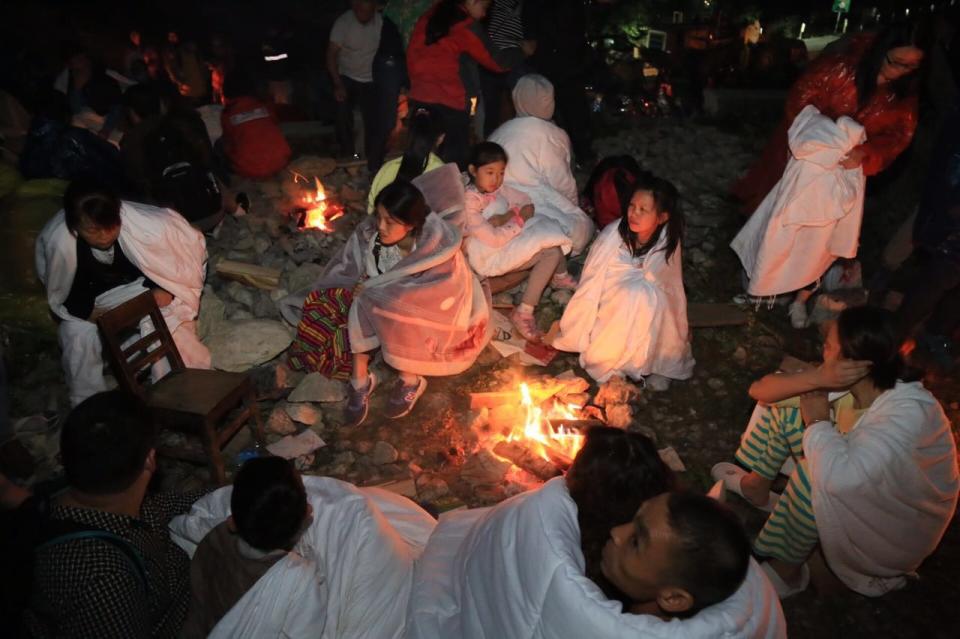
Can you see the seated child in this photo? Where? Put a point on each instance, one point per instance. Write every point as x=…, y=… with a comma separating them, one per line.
x=268, y=513
x=629, y=314
x=425, y=137
x=340, y=557
x=400, y=284
x=531, y=566
x=503, y=235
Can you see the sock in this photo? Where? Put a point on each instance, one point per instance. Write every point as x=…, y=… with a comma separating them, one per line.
x=408, y=379
x=360, y=386
x=524, y=309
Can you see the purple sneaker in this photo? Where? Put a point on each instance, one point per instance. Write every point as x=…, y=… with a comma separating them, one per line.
x=403, y=398
x=358, y=402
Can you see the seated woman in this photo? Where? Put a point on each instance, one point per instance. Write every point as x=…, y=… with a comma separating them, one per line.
x=400, y=284
x=877, y=491
x=277, y=555
x=425, y=137
x=629, y=314
x=531, y=566
x=541, y=156
x=503, y=235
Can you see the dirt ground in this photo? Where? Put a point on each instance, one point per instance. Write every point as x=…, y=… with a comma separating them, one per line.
x=702, y=418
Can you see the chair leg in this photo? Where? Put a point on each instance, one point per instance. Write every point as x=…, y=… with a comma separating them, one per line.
x=210, y=442
x=250, y=403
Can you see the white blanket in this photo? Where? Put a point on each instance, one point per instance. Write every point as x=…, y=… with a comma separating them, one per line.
x=812, y=216
x=348, y=577
x=540, y=232
x=157, y=241
x=628, y=318
x=539, y=165
x=516, y=570
x=884, y=494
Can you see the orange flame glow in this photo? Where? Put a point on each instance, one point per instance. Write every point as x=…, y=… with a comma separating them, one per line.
x=319, y=212
x=537, y=429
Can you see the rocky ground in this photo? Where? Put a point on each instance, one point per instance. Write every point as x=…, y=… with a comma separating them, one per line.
x=438, y=454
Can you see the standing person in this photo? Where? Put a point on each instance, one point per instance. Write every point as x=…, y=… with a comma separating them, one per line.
x=389, y=78
x=871, y=81
x=106, y=566
x=354, y=41
x=562, y=55
x=505, y=28
x=99, y=252
x=629, y=314
x=446, y=44
x=425, y=136
x=405, y=13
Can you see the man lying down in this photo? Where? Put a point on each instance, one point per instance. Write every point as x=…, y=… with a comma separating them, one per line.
x=277, y=555
x=537, y=565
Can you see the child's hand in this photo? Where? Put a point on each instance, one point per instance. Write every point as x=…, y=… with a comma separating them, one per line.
x=526, y=212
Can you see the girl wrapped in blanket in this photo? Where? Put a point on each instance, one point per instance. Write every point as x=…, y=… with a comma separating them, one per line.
x=503, y=235
x=629, y=314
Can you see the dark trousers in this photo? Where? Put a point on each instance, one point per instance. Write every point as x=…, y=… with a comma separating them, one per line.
x=573, y=115
x=362, y=95
x=389, y=76
x=934, y=291
x=456, y=128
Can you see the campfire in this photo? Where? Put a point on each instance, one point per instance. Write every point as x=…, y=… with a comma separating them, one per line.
x=316, y=210
x=538, y=427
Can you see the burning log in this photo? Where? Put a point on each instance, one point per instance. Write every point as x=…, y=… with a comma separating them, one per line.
x=522, y=456
x=249, y=274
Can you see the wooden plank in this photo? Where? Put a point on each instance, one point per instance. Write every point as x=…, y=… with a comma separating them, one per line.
x=705, y=315
x=249, y=274
x=522, y=457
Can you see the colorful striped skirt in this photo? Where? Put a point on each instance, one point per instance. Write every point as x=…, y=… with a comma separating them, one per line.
x=322, y=344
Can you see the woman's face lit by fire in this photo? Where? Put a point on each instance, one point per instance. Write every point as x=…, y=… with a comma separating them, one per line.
x=391, y=229
x=477, y=9
x=643, y=216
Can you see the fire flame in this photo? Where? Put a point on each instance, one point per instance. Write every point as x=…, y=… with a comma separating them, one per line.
x=319, y=212
x=537, y=429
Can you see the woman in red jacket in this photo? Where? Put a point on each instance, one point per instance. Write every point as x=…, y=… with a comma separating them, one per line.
x=873, y=81
x=445, y=35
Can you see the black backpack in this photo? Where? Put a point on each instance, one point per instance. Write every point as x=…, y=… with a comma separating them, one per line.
x=29, y=529
x=177, y=180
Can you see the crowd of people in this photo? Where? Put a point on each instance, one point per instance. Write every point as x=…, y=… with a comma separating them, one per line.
x=618, y=546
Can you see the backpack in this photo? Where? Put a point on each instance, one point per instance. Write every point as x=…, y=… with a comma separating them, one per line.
x=177, y=179
x=26, y=531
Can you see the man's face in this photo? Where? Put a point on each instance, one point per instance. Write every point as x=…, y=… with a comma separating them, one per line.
x=638, y=552
x=97, y=236
x=364, y=10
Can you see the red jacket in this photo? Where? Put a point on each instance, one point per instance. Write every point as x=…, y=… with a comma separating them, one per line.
x=830, y=85
x=435, y=71
x=252, y=139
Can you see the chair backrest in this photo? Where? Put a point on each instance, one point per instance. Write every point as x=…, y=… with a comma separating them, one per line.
x=128, y=362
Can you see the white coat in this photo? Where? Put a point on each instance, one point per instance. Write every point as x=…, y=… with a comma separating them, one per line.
x=812, y=216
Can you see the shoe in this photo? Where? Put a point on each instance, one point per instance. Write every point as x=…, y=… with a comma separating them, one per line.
x=561, y=281
x=798, y=314
x=243, y=202
x=404, y=398
x=783, y=589
x=358, y=402
x=657, y=383
x=729, y=476
x=526, y=325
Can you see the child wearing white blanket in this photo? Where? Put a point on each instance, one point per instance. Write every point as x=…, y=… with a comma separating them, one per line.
x=503, y=235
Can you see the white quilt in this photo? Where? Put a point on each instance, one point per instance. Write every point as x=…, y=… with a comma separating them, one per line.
x=812, y=216
x=516, y=570
x=349, y=577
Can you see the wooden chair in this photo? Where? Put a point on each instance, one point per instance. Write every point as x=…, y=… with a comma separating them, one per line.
x=186, y=398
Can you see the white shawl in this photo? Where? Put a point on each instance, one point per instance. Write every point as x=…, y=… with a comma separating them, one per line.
x=348, y=577
x=516, y=570
x=812, y=216
x=884, y=494
x=625, y=318
x=157, y=241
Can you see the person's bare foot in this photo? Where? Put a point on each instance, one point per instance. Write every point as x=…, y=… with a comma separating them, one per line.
x=755, y=489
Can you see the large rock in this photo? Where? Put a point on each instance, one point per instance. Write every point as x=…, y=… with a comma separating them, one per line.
x=280, y=422
x=303, y=276
x=311, y=166
x=238, y=345
x=384, y=453
x=305, y=414
x=212, y=310
x=317, y=388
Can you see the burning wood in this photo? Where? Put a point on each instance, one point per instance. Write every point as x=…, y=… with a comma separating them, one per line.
x=318, y=212
x=526, y=459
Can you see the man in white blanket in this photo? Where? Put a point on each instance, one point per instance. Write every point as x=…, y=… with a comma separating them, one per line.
x=811, y=217
x=540, y=158
x=517, y=570
x=348, y=576
x=99, y=252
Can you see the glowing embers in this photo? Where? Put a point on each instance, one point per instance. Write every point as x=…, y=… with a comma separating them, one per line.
x=317, y=211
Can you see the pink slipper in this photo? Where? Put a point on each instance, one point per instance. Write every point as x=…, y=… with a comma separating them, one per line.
x=729, y=477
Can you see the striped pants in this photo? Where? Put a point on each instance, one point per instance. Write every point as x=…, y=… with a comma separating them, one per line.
x=790, y=533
